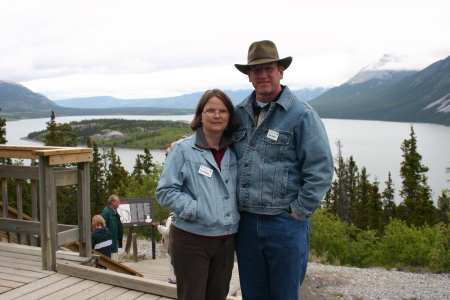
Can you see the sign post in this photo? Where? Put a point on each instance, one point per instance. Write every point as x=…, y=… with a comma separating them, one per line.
x=138, y=212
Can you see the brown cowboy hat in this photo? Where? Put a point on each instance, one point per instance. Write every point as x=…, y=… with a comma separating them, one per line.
x=263, y=52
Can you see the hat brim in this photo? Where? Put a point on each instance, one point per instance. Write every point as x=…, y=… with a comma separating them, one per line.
x=285, y=62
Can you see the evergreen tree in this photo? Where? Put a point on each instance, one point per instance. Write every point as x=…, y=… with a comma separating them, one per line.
x=115, y=173
x=3, y=130
x=417, y=207
x=359, y=208
x=443, y=211
x=62, y=134
x=3, y=137
x=388, y=195
x=351, y=182
x=375, y=208
x=97, y=180
x=340, y=202
x=447, y=171
x=143, y=165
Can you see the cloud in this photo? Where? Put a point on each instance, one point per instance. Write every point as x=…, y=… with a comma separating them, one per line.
x=152, y=49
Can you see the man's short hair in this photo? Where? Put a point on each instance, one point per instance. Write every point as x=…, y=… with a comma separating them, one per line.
x=112, y=198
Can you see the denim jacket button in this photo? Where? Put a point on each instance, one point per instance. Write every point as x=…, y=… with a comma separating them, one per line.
x=228, y=215
x=226, y=198
x=226, y=181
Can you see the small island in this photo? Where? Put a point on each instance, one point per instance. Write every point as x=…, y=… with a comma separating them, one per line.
x=158, y=134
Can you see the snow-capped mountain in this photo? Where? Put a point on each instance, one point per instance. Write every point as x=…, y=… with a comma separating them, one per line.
x=389, y=67
x=378, y=93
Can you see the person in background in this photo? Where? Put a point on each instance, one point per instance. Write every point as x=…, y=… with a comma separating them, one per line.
x=285, y=167
x=164, y=230
x=100, y=236
x=198, y=185
x=113, y=223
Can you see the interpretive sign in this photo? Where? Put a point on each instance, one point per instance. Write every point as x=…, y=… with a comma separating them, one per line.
x=136, y=212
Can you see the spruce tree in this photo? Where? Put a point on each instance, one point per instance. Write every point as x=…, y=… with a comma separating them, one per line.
x=443, y=211
x=3, y=130
x=340, y=201
x=388, y=196
x=98, y=189
x=359, y=208
x=59, y=134
x=375, y=208
x=115, y=173
x=417, y=206
x=62, y=135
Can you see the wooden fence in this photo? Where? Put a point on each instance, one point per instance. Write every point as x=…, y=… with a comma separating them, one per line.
x=42, y=228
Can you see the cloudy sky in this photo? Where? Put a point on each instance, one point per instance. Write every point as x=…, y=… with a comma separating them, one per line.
x=146, y=49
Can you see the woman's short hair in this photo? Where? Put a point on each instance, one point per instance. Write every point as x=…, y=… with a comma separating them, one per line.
x=233, y=124
x=98, y=221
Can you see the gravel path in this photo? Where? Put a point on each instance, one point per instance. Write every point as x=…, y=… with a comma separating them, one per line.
x=332, y=282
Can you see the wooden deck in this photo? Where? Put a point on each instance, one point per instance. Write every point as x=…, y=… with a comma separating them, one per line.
x=22, y=277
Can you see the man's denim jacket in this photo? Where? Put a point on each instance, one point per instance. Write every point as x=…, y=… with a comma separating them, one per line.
x=202, y=204
x=285, y=164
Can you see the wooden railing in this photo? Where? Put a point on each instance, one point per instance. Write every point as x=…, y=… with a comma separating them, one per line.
x=45, y=229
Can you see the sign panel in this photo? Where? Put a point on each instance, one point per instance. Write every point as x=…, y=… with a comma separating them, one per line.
x=136, y=212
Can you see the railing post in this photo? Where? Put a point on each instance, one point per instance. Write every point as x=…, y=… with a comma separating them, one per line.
x=5, y=204
x=84, y=209
x=48, y=212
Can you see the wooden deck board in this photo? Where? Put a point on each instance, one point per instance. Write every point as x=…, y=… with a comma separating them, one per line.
x=129, y=295
x=32, y=287
x=151, y=297
x=110, y=294
x=49, y=289
x=71, y=290
x=10, y=283
x=17, y=278
x=16, y=261
x=20, y=272
x=90, y=292
x=4, y=289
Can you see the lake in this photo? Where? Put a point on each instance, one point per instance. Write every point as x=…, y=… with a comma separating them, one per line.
x=373, y=144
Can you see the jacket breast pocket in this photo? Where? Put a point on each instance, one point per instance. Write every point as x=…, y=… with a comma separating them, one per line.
x=274, y=151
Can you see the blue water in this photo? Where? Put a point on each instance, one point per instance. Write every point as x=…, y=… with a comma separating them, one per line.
x=373, y=144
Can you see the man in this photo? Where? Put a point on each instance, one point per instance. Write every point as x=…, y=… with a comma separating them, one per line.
x=285, y=168
x=112, y=219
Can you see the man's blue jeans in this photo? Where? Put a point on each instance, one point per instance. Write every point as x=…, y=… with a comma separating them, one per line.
x=272, y=252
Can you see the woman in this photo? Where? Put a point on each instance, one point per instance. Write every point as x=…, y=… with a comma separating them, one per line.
x=198, y=184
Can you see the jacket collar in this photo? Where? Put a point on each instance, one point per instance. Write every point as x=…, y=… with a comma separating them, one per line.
x=200, y=140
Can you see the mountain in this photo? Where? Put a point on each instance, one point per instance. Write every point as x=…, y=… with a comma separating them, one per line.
x=187, y=101
x=14, y=95
x=18, y=102
x=391, y=95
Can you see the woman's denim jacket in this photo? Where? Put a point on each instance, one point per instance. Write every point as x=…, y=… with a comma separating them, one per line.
x=202, y=204
x=285, y=164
